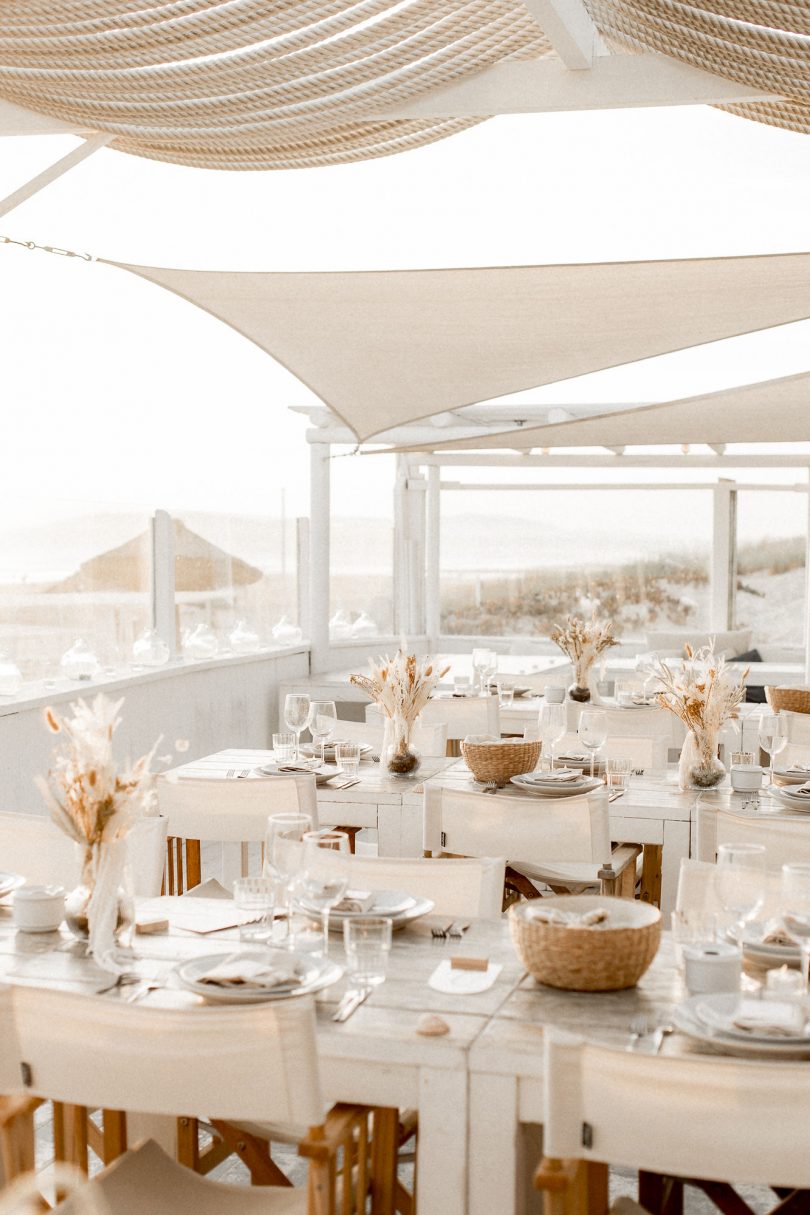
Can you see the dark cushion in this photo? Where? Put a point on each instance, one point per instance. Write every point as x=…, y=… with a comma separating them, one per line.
x=748, y=656
x=755, y=695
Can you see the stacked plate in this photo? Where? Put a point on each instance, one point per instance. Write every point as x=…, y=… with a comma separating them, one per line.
x=309, y=974
x=710, y=1018
x=791, y=776
x=321, y=774
x=395, y=905
x=330, y=750
x=796, y=798
x=9, y=882
x=762, y=952
x=565, y=782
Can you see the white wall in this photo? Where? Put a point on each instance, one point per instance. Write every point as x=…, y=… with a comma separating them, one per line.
x=226, y=703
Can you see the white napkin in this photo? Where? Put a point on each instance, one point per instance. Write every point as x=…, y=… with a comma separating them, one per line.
x=801, y=790
x=358, y=901
x=558, y=776
x=570, y=919
x=779, y=1018
x=799, y=768
x=249, y=972
x=574, y=758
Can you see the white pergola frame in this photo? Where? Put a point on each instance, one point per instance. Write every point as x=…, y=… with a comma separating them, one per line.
x=419, y=485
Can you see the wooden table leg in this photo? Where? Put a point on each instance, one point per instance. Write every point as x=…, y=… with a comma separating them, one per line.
x=384, y=1142
x=651, y=864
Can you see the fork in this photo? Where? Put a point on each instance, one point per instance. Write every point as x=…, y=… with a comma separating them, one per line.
x=491, y=786
x=638, y=1030
x=245, y=772
x=126, y=978
x=442, y=934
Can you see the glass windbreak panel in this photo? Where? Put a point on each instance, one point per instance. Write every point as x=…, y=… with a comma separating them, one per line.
x=361, y=582
x=236, y=582
x=515, y=562
x=73, y=571
x=770, y=584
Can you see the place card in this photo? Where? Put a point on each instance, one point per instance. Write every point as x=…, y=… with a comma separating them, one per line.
x=469, y=963
x=463, y=981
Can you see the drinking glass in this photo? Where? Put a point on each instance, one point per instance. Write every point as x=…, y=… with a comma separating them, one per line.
x=367, y=941
x=740, y=882
x=618, y=775
x=256, y=895
x=284, y=748
x=296, y=716
x=347, y=757
x=324, y=875
x=795, y=909
x=479, y=663
x=322, y=723
x=283, y=854
x=772, y=735
x=552, y=727
x=506, y=694
x=593, y=731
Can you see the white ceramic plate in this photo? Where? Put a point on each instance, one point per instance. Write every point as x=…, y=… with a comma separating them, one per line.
x=800, y=804
x=686, y=1019
x=715, y=1012
x=322, y=775
x=386, y=901
x=314, y=974
x=756, y=948
x=567, y=789
x=9, y=882
x=791, y=778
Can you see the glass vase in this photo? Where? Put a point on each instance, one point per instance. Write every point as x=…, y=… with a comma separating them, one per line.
x=399, y=755
x=700, y=765
x=580, y=689
x=78, y=901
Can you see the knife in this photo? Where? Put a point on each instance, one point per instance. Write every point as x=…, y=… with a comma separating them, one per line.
x=350, y=1003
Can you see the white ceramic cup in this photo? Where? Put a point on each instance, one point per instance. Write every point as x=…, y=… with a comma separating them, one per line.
x=38, y=908
x=746, y=778
x=712, y=967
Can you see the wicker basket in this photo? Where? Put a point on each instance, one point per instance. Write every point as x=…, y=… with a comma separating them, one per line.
x=796, y=700
x=607, y=957
x=497, y=762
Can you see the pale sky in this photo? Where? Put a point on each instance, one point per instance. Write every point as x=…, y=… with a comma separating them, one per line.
x=118, y=392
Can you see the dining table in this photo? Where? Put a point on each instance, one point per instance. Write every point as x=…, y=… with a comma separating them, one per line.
x=478, y=1088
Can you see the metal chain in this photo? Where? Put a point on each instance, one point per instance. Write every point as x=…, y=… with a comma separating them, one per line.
x=30, y=244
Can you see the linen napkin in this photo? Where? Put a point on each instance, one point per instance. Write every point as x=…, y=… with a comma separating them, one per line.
x=248, y=972
x=799, y=768
x=776, y=1018
x=574, y=758
x=558, y=776
x=801, y=790
x=355, y=902
x=570, y=919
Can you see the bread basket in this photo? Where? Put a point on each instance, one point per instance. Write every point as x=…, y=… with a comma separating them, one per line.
x=607, y=957
x=796, y=700
x=494, y=761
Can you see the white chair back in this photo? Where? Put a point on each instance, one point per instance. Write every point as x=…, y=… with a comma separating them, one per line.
x=644, y=736
x=697, y=892
x=461, y=715
x=232, y=810
x=554, y=830
x=785, y=838
x=472, y=888
x=146, y=855
x=427, y=739
x=652, y=1112
x=251, y=1062
x=32, y=845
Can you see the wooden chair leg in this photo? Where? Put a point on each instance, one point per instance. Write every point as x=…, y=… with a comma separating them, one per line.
x=651, y=874
x=520, y=883
x=193, y=864
x=188, y=1143
x=254, y=1153
x=660, y=1195
x=384, y=1143
x=352, y=834
x=17, y=1141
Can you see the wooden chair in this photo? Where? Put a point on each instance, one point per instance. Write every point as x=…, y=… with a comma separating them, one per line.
x=557, y=841
x=260, y=1063
x=609, y=1107
x=223, y=811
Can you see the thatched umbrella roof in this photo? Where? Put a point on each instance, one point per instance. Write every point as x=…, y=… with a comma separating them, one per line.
x=199, y=566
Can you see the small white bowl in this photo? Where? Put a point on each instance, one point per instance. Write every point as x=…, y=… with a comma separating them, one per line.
x=38, y=908
x=746, y=778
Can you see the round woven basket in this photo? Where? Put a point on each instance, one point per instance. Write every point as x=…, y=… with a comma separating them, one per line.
x=796, y=700
x=606, y=957
x=497, y=762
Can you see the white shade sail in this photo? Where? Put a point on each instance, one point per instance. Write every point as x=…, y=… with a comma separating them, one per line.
x=383, y=348
x=771, y=411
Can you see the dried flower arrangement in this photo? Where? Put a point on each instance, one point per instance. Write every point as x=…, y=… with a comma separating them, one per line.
x=583, y=642
x=88, y=798
x=401, y=686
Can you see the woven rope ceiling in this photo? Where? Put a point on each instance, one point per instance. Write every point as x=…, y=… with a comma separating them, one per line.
x=266, y=84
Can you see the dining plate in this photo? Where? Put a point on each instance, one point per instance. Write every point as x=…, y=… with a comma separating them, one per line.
x=757, y=949
x=569, y=789
x=791, y=778
x=9, y=882
x=394, y=905
x=686, y=1018
x=794, y=801
x=322, y=775
x=716, y=1011
x=313, y=975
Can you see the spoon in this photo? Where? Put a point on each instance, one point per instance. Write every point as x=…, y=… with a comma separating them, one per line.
x=663, y=1031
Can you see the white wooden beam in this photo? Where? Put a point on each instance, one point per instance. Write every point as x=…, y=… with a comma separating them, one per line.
x=319, y=541
x=568, y=26
x=163, y=579
x=597, y=460
x=535, y=86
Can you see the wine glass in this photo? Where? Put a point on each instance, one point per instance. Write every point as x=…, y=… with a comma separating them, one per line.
x=772, y=735
x=489, y=668
x=795, y=909
x=479, y=662
x=283, y=854
x=552, y=727
x=592, y=731
x=324, y=877
x=296, y=716
x=740, y=882
x=322, y=723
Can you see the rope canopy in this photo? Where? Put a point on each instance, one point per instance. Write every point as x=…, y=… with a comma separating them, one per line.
x=771, y=411
x=253, y=84
x=382, y=348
